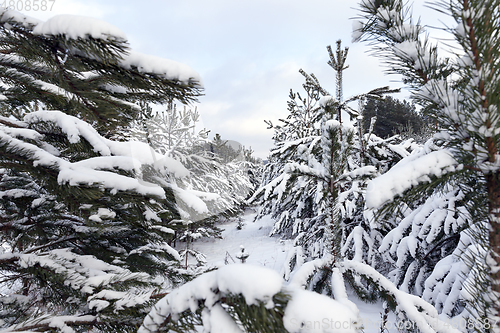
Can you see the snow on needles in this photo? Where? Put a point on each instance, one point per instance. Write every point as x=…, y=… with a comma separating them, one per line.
x=253, y=282
x=128, y=156
x=75, y=26
x=256, y=284
x=169, y=69
x=11, y=15
x=137, y=152
x=81, y=27
x=407, y=173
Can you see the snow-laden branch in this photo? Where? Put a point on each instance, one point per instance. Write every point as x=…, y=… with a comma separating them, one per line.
x=63, y=323
x=75, y=26
x=87, y=275
x=257, y=285
x=418, y=312
x=126, y=156
x=407, y=173
x=169, y=69
x=254, y=283
x=81, y=27
x=276, y=186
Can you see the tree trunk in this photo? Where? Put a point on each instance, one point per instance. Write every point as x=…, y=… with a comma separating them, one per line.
x=493, y=184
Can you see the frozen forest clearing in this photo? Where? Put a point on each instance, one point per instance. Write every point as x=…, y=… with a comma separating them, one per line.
x=262, y=249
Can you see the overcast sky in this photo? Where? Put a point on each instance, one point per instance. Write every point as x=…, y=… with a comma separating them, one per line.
x=248, y=52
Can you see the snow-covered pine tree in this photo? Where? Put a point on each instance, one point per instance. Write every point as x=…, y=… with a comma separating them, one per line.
x=297, y=181
x=221, y=170
x=463, y=105
x=425, y=237
x=214, y=189
x=85, y=220
x=244, y=298
x=346, y=159
x=346, y=165
x=291, y=199
x=224, y=150
x=174, y=133
x=170, y=131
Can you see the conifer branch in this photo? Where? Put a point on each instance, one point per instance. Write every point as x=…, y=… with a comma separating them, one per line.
x=62, y=240
x=15, y=124
x=42, y=327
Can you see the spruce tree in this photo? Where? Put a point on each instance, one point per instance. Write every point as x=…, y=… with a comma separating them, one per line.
x=86, y=221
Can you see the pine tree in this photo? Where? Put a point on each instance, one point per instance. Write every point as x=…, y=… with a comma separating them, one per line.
x=223, y=186
x=393, y=116
x=464, y=106
x=89, y=74
x=344, y=240
x=292, y=199
x=309, y=154
x=221, y=149
x=85, y=220
x=212, y=190
x=246, y=298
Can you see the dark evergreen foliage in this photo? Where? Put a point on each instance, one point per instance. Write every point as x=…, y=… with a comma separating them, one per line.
x=84, y=76
x=393, y=117
x=85, y=223
x=459, y=92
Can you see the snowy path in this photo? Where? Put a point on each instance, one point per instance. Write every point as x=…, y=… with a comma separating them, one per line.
x=254, y=236
x=270, y=252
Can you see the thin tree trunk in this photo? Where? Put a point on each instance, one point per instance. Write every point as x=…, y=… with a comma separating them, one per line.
x=493, y=185
x=492, y=179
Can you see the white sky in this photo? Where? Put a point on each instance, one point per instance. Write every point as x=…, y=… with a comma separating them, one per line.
x=248, y=52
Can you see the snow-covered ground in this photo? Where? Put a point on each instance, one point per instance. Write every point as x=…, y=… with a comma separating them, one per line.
x=254, y=236
x=270, y=252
